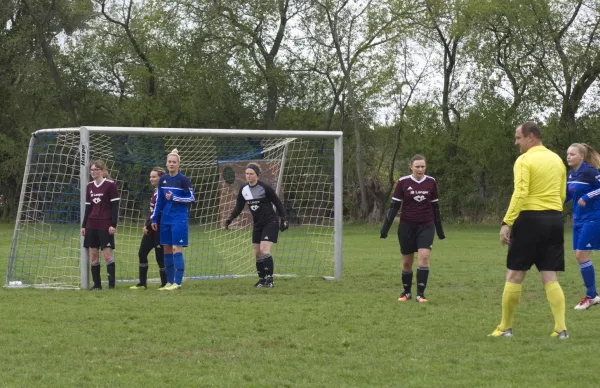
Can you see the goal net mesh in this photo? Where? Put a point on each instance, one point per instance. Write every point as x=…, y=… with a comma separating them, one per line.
x=47, y=243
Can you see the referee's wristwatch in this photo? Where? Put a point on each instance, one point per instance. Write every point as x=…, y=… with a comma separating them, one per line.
x=504, y=223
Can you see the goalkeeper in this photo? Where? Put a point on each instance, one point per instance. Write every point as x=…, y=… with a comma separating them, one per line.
x=260, y=198
x=418, y=195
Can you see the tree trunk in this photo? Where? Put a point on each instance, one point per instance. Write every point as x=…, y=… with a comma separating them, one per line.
x=364, y=205
x=272, y=93
x=67, y=104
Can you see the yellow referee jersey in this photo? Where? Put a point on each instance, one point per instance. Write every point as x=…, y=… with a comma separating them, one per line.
x=540, y=183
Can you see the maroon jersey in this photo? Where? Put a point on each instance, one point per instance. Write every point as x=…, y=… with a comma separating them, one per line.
x=416, y=197
x=153, y=202
x=100, y=198
x=152, y=206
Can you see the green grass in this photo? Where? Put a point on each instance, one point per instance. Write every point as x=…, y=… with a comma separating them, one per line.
x=306, y=332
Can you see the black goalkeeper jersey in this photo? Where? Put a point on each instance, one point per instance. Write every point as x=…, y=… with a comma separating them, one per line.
x=260, y=199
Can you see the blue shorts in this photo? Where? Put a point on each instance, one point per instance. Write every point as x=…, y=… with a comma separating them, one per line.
x=586, y=237
x=175, y=234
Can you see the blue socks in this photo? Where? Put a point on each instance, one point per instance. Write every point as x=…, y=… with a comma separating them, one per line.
x=169, y=269
x=589, y=278
x=179, y=267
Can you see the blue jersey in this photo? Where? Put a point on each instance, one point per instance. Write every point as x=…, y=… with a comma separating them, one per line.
x=174, y=210
x=584, y=183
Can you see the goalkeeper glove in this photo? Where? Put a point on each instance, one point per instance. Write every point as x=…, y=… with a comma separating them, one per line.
x=284, y=225
x=227, y=223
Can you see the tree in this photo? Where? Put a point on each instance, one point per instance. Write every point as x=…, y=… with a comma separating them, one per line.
x=569, y=55
x=355, y=31
x=49, y=19
x=260, y=28
x=125, y=22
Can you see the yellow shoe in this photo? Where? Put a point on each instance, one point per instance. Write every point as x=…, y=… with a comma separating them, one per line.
x=173, y=287
x=138, y=287
x=501, y=333
x=163, y=288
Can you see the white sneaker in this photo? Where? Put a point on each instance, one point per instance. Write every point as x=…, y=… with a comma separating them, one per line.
x=586, y=303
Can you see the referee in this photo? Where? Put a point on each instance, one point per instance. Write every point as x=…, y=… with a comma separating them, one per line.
x=533, y=227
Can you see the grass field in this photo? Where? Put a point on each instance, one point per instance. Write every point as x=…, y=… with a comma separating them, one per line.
x=306, y=332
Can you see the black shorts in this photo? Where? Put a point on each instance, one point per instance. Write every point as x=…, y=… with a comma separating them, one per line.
x=269, y=232
x=98, y=238
x=537, y=237
x=415, y=237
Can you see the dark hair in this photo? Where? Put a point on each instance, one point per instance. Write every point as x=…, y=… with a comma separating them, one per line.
x=160, y=171
x=529, y=127
x=415, y=158
x=255, y=168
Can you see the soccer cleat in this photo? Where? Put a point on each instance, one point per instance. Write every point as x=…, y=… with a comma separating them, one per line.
x=421, y=299
x=162, y=288
x=587, y=302
x=260, y=283
x=96, y=288
x=138, y=286
x=173, y=287
x=560, y=334
x=269, y=282
x=404, y=297
x=501, y=333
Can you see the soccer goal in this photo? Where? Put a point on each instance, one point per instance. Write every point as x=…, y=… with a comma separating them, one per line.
x=305, y=168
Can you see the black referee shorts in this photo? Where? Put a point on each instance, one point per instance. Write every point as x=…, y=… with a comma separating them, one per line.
x=415, y=237
x=268, y=232
x=98, y=238
x=537, y=237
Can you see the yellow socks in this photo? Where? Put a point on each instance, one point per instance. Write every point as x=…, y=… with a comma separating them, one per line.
x=556, y=298
x=510, y=300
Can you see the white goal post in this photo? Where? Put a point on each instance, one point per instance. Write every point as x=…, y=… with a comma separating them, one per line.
x=304, y=167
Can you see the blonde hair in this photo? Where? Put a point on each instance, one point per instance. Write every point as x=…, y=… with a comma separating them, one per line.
x=590, y=155
x=100, y=164
x=174, y=153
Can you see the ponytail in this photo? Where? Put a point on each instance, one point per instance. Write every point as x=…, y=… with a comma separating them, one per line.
x=591, y=156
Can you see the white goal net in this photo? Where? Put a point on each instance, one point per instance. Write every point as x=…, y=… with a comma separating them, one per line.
x=303, y=167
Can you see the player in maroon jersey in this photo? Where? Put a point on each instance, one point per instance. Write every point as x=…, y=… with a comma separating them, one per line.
x=100, y=222
x=151, y=239
x=417, y=194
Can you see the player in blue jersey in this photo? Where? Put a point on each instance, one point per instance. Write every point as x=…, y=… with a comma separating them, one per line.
x=151, y=239
x=175, y=194
x=260, y=198
x=583, y=188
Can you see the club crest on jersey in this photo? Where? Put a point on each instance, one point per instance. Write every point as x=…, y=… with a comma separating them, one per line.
x=254, y=207
x=419, y=198
x=97, y=200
